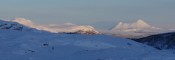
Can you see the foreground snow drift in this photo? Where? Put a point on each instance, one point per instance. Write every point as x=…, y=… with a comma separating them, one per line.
x=23, y=45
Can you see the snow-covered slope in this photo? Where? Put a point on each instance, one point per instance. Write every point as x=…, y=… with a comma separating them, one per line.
x=160, y=41
x=9, y=25
x=55, y=28
x=135, y=30
x=17, y=45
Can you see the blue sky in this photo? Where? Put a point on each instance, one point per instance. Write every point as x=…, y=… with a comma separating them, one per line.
x=98, y=13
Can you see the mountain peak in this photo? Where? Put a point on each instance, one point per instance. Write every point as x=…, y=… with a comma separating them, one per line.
x=23, y=21
x=122, y=26
x=140, y=24
x=140, y=21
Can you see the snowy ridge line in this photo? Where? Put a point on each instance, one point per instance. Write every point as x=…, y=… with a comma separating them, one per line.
x=54, y=28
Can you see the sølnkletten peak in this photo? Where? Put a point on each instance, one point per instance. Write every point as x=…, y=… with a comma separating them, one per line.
x=135, y=29
x=139, y=25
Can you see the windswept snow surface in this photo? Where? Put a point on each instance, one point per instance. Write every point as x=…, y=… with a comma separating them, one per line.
x=24, y=45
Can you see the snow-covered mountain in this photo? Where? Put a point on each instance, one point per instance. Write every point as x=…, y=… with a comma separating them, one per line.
x=10, y=25
x=67, y=28
x=136, y=30
x=55, y=28
x=17, y=45
x=23, y=21
x=19, y=42
x=139, y=25
x=127, y=30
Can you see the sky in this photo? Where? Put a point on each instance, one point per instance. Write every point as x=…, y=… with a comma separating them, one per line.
x=103, y=14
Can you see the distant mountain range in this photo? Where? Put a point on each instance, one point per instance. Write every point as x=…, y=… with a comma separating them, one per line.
x=55, y=28
x=137, y=29
x=139, y=25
